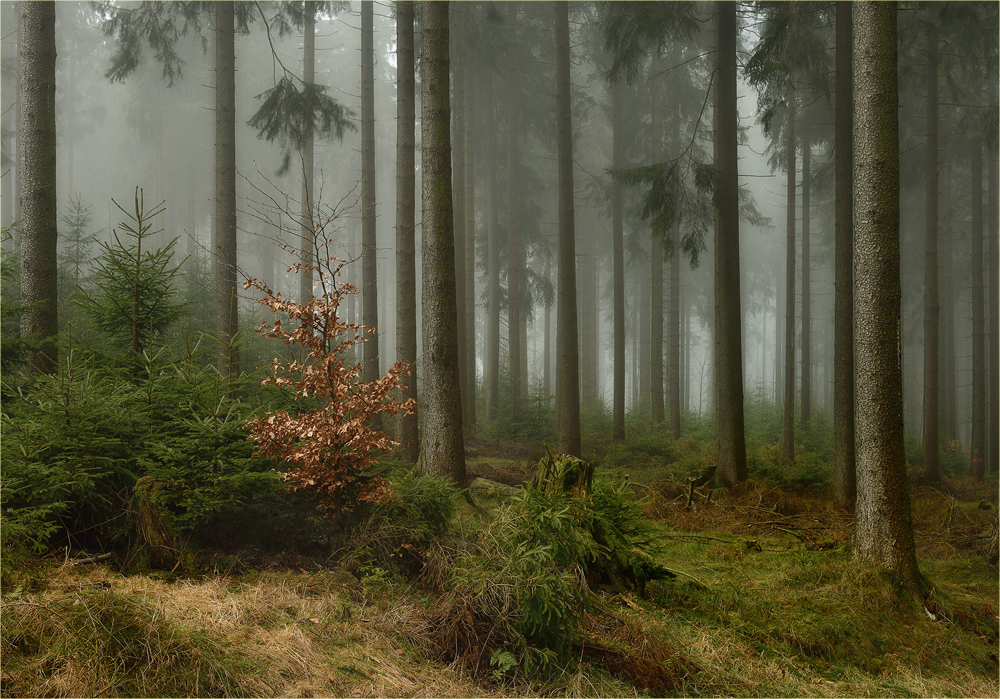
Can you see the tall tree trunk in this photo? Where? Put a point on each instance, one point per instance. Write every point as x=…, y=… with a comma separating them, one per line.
x=569, y=357
x=513, y=245
x=947, y=399
x=674, y=335
x=492, y=255
x=730, y=441
x=618, y=253
x=547, y=343
x=883, y=523
x=444, y=453
x=993, y=236
x=806, y=396
x=656, y=263
x=369, y=245
x=469, y=398
x=224, y=260
x=931, y=308
x=843, y=343
x=789, y=383
x=978, y=454
x=406, y=267
x=459, y=64
x=307, y=222
x=36, y=165
x=587, y=263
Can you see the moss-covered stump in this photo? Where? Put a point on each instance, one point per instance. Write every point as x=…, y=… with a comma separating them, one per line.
x=152, y=530
x=562, y=473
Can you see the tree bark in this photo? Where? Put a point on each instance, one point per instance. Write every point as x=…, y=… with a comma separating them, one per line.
x=656, y=262
x=406, y=272
x=843, y=343
x=36, y=156
x=224, y=260
x=994, y=257
x=492, y=254
x=618, y=253
x=931, y=301
x=513, y=245
x=469, y=398
x=789, y=383
x=459, y=67
x=883, y=525
x=309, y=252
x=369, y=244
x=978, y=452
x=806, y=396
x=569, y=357
x=444, y=453
x=729, y=436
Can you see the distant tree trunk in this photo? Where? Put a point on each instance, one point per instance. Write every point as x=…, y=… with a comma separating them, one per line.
x=469, y=398
x=843, y=343
x=883, y=524
x=806, y=396
x=994, y=257
x=459, y=65
x=369, y=244
x=547, y=343
x=673, y=336
x=492, y=254
x=931, y=308
x=618, y=252
x=645, y=300
x=444, y=453
x=308, y=244
x=36, y=165
x=224, y=260
x=789, y=383
x=730, y=441
x=513, y=245
x=947, y=399
x=569, y=356
x=656, y=264
x=978, y=454
x=406, y=267
x=587, y=261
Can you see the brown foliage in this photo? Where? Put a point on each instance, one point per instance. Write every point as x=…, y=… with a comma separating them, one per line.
x=329, y=448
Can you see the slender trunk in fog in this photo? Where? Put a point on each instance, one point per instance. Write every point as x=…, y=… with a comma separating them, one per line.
x=459, y=66
x=948, y=412
x=406, y=268
x=843, y=343
x=513, y=246
x=309, y=252
x=587, y=265
x=978, y=454
x=224, y=259
x=618, y=252
x=469, y=398
x=673, y=336
x=656, y=262
x=492, y=255
x=569, y=356
x=931, y=308
x=36, y=166
x=369, y=244
x=444, y=453
x=789, y=383
x=806, y=397
x=993, y=235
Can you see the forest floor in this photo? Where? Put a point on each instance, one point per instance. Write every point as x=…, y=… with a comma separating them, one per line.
x=767, y=602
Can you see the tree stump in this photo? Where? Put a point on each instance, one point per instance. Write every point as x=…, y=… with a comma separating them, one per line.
x=152, y=530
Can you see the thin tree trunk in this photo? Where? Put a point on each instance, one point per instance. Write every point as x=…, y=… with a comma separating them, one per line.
x=673, y=336
x=948, y=401
x=459, y=64
x=369, y=245
x=406, y=268
x=993, y=236
x=569, y=358
x=36, y=166
x=308, y=244
x=492, y=255
x=444, y=453
x=843, y=343
x=931, y=301
x=978, y=453
x=469, y=397
x=587, y=261
x=883, y=524
x=618, y=253
x=806, y=396
x=729, y=425
x=547, y=343
x=789, y=383
x=656, y=264
x=513, y=244
x=224, y=260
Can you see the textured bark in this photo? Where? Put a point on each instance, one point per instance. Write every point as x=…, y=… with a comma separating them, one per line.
x=569, y=358
x=224, y=260
x=789, y=383
x=947, y=399
x=406, y=272
x=513, y=245
x=806, y=395
x=444, y=453
x=458, y=64
x=36, y=165
x=618, y=262
x=308, y=234
x=883, y=525
x=931, y=300
x=587, y=269
x=994, y=257
x=369, y=244
x=978, y=453
x=492, y=253
x=843, y=343
x=674, y=337
x=730, y=441
x=469, y=398
x=656, y=263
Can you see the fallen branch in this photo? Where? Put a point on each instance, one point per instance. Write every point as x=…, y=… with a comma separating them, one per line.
x=92, y=559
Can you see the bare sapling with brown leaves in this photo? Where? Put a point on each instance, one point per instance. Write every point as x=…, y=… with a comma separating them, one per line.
x=329, y=449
